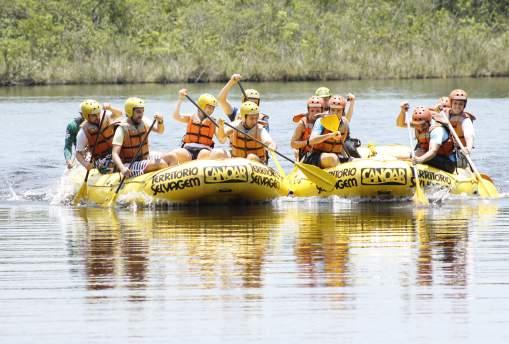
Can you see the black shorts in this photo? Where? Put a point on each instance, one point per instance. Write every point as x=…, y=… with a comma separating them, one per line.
x=194, y=151
x=442, y=163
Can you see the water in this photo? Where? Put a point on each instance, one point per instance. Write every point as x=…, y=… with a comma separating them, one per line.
x=301, y=270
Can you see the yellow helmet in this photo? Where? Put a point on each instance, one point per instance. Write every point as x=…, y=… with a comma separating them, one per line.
x=248, y=108
x=251, y=94
x=131, y=104
x=89, y=107
x=322, y=92
x=207, y=99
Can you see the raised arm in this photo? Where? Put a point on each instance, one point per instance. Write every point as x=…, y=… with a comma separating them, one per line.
x=351, y=101
x=401, y=119
x=222, y=97
x=176, y=114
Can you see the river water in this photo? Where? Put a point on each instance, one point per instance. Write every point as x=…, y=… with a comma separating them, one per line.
x=304, y=270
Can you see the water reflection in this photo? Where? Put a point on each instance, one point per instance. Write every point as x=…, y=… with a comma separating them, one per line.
x=190, y=248
x=331, y=246
x=225, y=249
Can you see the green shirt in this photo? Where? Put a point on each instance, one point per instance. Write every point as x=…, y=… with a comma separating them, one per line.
x=70, y=136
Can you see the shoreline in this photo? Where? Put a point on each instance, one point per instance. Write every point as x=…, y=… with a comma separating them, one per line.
x=33, y=83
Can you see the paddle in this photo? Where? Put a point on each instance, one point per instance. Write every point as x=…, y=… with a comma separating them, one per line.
x=487, y=189
x=331, y=123
x=84, y=187
x=113, y=199
x=315, y=174
x=420, y=198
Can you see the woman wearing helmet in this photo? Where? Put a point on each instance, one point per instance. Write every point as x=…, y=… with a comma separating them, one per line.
x=327, y=146
x=434, y=144
x=232, y=111
x=130, y=136
x=90, y=133
x=462, y=122
x=305, y=122
x=242, y=146
x=197, y=142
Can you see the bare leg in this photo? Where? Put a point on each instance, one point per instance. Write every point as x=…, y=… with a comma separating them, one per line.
x=204, y=154
x=218, y=154
x=155, y=165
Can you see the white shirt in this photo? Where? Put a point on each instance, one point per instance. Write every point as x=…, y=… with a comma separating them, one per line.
x=81, y=138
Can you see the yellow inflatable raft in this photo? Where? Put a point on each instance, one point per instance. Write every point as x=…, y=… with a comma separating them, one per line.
x=196, y=181
x=382, y=179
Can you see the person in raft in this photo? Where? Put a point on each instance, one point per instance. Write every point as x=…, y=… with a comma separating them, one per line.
x=90, y=133
x=71, y=133
x=305, y=122
x=461, y=121
x=324, y=93
x=198, y=141
x=434, y=144
x=251, y=95
x=243, y=146
x=130, y=135
x=328, y=146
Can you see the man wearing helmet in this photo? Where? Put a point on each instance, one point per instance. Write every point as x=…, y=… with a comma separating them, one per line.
x=130, y=136
x=305, y=122
x=90, y=133
x=327, y=146
x=242, y=145
x=198, y=142
x=434, y=145
x=251, y=95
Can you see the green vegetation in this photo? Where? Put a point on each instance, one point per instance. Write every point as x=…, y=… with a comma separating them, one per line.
x=126, y=41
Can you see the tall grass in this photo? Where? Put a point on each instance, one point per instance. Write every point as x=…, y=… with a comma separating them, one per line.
x=201, y=41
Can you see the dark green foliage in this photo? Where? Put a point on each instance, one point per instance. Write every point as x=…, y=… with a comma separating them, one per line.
x=116, y=41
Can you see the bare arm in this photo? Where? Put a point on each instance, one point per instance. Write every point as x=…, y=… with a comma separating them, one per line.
x=220, y=131
x=222, y=97
x=401, y=119
x=115, y=113
x=176, y=114
x=351, y=100
x=296, y=141
x=430, y=154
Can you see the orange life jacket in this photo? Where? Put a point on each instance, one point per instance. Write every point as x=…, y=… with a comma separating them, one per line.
x=200, y=132
x=104, y=142
x=308, y=128
x=333, y=145
x=423, y=138
x=243, y=145
x=133, y=137
x=457, y=123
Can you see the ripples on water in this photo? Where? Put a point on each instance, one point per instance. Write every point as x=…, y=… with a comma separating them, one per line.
x=313, y=271
x=285, y=271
